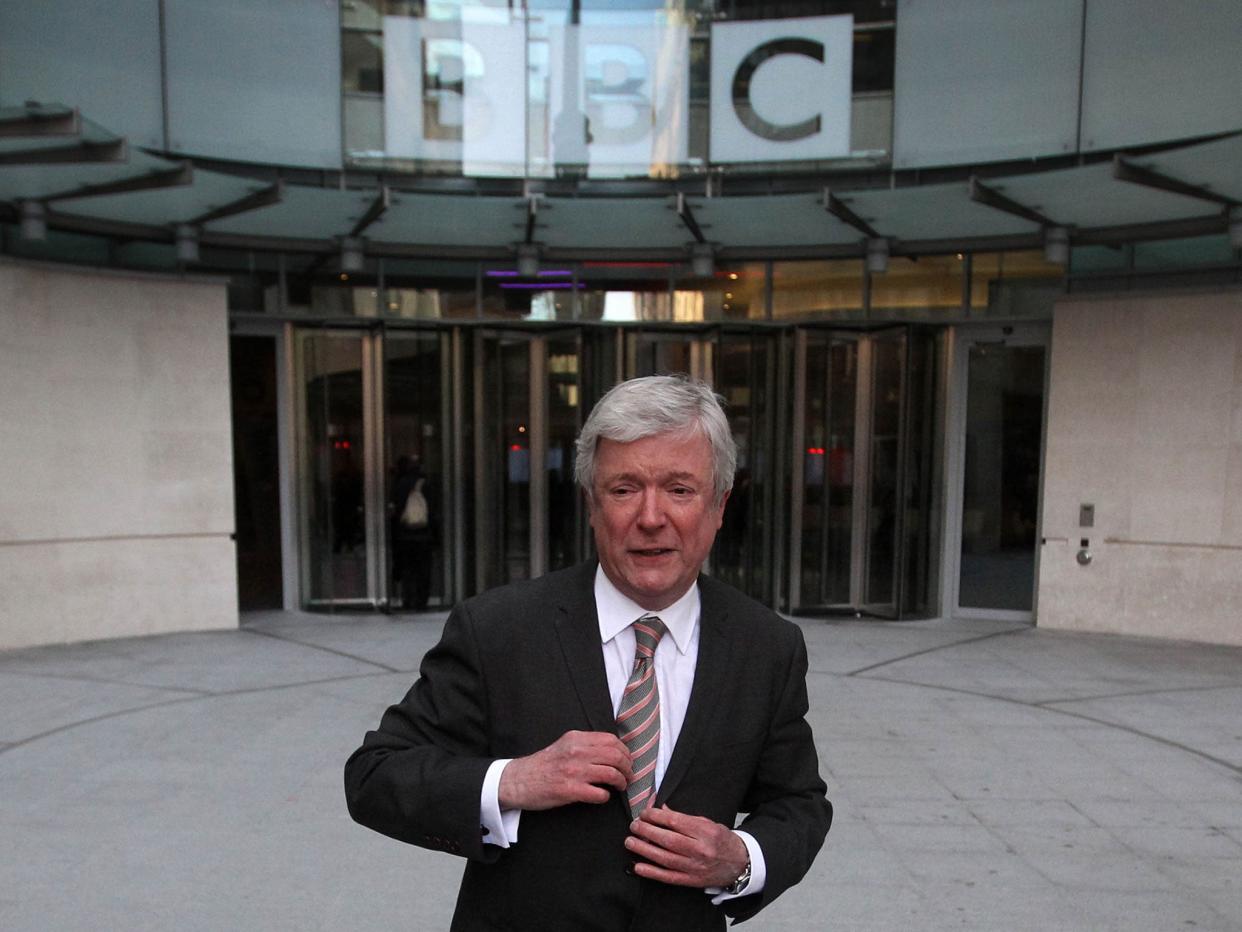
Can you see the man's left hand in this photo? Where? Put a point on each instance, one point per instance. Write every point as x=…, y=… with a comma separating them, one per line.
x=686, y=850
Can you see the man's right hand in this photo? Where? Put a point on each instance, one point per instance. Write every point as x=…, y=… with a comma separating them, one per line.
x=579, y=767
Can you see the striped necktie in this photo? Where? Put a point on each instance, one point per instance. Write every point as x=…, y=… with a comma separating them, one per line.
x=638, y=721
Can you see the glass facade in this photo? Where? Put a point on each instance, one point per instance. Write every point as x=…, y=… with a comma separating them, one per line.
x=646, y=89
x=937, y=289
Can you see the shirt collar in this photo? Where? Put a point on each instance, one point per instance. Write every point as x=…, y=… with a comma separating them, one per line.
x=617, y=612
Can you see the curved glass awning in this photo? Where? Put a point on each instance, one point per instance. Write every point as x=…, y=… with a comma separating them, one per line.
x=87, y=180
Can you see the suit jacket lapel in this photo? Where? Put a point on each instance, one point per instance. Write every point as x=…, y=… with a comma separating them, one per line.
x=577, y=630
x=710, y=672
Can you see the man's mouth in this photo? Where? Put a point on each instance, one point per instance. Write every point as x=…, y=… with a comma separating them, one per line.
x=652, y=551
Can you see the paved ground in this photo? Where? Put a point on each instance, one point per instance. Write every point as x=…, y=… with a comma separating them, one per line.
x=986, y=777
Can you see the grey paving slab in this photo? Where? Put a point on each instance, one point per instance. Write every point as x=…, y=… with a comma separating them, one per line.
x=1207, y=718
x=1067, y=666
x=194, y=783
x=216, y=661
x=395, y=641
x=32, y=704
x=846, y=646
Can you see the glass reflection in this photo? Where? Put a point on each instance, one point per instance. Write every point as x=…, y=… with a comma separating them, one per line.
x=565, y=540
x=828, y=471
x=887, y=381
x=817, y=288
x=334, y=502
x=415, y=457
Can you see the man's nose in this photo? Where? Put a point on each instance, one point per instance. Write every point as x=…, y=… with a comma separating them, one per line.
x=651, y=513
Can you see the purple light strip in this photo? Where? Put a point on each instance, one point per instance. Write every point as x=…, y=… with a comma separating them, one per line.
x=540, y=286
x=542, y=273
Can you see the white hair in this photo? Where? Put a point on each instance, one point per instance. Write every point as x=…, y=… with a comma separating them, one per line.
x=658, y=404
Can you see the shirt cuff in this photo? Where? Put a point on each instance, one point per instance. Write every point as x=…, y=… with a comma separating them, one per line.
x=758, y=872
x=498, y=827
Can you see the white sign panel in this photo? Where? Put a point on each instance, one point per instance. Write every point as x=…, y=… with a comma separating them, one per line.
x=619, y=96
x=456, y=92
x=781, y=89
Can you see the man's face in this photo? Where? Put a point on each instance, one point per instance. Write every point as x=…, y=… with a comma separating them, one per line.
x=654, y=514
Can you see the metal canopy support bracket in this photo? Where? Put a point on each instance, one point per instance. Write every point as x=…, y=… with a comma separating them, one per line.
x=532, y=213
x=266, y=197
x=687, y=217
x=990, y=197
x=835, y=206
x=374, y=212
x=1124, y=170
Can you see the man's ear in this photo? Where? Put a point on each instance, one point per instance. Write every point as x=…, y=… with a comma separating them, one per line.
x=724, y=500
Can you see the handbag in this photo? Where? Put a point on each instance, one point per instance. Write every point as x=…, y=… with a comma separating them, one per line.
x=414, y=514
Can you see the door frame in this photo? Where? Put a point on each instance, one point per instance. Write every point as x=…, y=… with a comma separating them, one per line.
x=962, y=338
x=374, y=506
x=282, y=335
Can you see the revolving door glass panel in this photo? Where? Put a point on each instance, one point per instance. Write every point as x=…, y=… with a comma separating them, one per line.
x=417, y=467
x=885, y=466
x=503, y=459
x=566, y=524
x=827, y=472
x=335, y=551
x=745, y=377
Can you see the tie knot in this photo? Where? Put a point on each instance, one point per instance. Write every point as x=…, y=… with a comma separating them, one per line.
x=647, y=633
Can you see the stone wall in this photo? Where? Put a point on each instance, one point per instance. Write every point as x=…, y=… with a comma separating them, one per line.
x=1145, y=423
x=116, y=495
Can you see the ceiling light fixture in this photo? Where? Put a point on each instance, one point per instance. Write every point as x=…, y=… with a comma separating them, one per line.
x=34, y=220
x=527, y=260
x=187, y=242
x=702, y=260
x=351, y=254
x=877, y=255
x=1056, y=245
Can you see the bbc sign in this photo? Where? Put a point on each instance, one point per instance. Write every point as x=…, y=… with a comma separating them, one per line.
x=613, y=98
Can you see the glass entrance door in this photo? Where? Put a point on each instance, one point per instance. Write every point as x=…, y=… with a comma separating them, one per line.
x=338, y=468
x=746, y=376
x=372, y=413
x=1001, y=407
x=860, y=499
x=825, y=565
x=418, y=469
x=528, y=408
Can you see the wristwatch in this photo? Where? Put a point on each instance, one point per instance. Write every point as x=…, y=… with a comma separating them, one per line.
x=742, y=882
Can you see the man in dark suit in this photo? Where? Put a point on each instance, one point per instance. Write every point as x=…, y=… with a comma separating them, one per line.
x=619, y=715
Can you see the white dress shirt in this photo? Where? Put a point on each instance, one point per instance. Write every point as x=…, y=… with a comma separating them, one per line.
x=675, y=659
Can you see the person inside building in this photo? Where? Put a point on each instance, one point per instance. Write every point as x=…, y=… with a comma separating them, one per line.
x=412, y=533
x=588, y=739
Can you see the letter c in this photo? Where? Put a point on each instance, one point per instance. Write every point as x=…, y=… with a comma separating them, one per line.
x=745, y=110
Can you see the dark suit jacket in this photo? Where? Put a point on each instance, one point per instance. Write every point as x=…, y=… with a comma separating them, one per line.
x=519, y=666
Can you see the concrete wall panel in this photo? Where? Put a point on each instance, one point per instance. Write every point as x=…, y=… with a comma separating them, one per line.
x=85, y=590
x=1145, y=422
x=116, y=499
